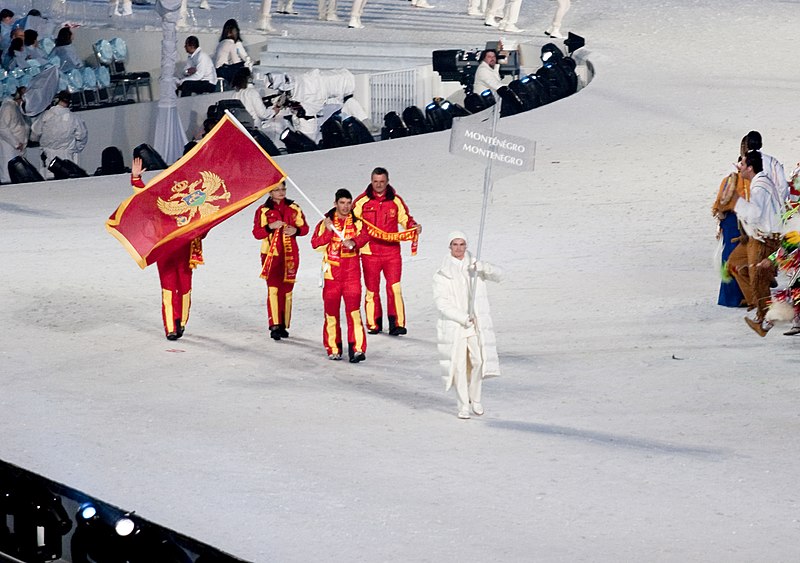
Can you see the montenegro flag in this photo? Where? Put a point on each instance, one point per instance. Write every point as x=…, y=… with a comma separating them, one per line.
x=223, y=174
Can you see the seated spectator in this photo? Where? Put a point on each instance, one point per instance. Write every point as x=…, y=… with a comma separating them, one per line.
x=65, y=51
x=15, y=57
x=32, y=49
x=199, y=76
x=6, y=25
x=231, y=55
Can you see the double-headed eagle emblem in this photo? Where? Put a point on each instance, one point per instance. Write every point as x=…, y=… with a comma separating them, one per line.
x=188, y=200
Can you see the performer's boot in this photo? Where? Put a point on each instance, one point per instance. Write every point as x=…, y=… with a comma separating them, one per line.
x=127, y=8
x=395, y=330
x=179, y=327
x=377, y=328
x=282, y=331
x=113, y=8
x=275, y=332
x=355, y=357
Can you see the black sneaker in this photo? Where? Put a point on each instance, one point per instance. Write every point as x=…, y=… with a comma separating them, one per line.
x=357, y=357
x=374, y=331
x=275, y=334
x=173, y=336
x=398, y=331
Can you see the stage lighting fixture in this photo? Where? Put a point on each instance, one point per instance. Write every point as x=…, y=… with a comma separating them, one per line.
x=455, y=110
x=125, y=527
x=415, y=121
x=150, y=158
x=438, y=118
x=393, y=127
x=21, y=171
x=356, y=132
x=528, y=97
x=574, y=42
x=64, y=169
x=34, y=522
x=510, y=103
x=488, y=98
x=297, y=142
x=264, y=142
x=333, y=133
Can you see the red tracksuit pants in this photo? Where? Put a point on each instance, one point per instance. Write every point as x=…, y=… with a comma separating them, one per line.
x=176, y=288
x=333, y=293
x=279, y=293
x=392, y=267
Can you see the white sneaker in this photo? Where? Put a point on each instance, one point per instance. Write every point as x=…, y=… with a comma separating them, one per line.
x=477, y=408
x=474, y=13
x=511, y=28
x=355, y=24
x=555, y=33
x=491, y=22
x=463, y=414
x=332, y=18
x=204, y=5
x=421, y=4
x=335, y=357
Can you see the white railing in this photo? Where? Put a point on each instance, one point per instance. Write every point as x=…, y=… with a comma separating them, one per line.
x=393, y=90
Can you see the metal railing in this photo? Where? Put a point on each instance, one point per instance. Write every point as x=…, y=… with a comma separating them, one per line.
x=393, y=90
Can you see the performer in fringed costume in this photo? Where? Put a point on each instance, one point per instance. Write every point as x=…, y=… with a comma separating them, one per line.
x=786, y=302
x=732, y=187
x=277, y=223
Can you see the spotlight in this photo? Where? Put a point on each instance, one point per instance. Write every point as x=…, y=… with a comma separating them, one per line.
x=21, y=171
x=438, y=118
x=520, y=87
x=34, y=522
x=63, y=169
x=150, y=157
x=454, y=110
x=479, y=102
x=574, y=42
x=86, y=512
x=550, y=54
x=265, y=142
x=125, y=527
x=415, y=121
x=111, y=162
x=297, y=142
x=333, y=133
x=510, y=102
x=393, y=127
x=356, y=132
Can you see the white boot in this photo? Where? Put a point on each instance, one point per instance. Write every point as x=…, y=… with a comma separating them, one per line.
x=265, y=23
x=355, y=23
x=127, y=8
x=113, y=8
x=204, y=5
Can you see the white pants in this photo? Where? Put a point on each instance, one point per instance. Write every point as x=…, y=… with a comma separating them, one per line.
x=476, y=6
x=563, y=8
x=327, y=8
x=468, y=368
x=511, y=13
x=495, y=9
x=357, y=9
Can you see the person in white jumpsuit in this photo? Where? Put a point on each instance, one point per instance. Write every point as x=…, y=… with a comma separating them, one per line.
x=14, y=130
x=60, y=133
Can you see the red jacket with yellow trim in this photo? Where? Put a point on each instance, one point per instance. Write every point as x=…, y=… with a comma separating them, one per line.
x=385, y=211
x=288, y=212
x=341, y=263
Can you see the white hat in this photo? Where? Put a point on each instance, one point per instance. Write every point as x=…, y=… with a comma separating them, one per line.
x=454, y=235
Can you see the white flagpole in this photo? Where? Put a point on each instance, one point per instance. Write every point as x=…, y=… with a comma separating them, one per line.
x=487, y=187
x=295, y=186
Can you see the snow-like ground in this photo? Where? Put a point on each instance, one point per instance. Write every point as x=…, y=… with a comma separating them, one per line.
x=635, y=421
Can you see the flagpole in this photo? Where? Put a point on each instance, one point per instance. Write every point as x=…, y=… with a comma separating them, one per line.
x=295, y=186
x=487, y=186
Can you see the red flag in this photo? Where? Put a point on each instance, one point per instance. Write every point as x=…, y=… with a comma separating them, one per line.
x=223, y=174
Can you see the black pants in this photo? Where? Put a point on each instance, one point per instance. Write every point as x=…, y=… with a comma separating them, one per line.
x=189, y=87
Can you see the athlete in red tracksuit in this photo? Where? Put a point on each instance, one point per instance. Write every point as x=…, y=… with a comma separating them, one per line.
x=342, y=277
x=381, y=207
x=175, y=273
x=277, y=223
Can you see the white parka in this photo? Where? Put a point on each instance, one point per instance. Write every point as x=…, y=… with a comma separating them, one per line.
x=451, y=295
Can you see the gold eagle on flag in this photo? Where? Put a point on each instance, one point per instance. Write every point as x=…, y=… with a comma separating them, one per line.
x=189, y=200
